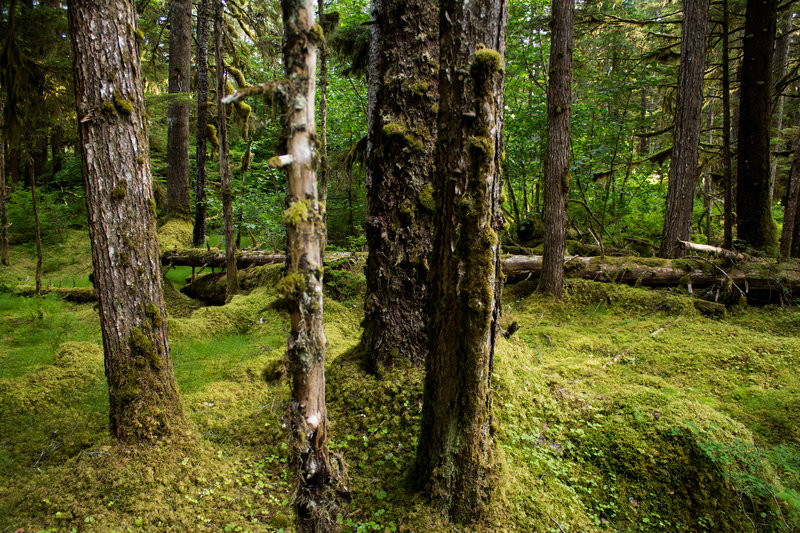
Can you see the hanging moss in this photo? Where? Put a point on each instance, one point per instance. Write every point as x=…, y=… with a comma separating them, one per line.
x=414, y=142
x=123, y=105
x=426, y=199
x=481, y=148
x=296, y=213
x=211, y=133
x=486, y=63
x=121, y=189
x=289, y=290
x=153, y=314
x=144, y=349
x=394, y=129
x=107, y=107
x=316, y=34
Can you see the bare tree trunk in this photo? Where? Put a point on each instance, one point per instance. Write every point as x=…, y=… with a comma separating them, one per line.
x=324, y=165
x=686, y=137
x=199, y=232
x=226, y=180
x=456, y=448
x=792, y=210
x=3, y=193
x=755, y=224
x=727, y=239
x=781, y=67
x=144, y=400
x=559, y=106
x=400, y=201
x=320, y=474
x=180, y=64
x=37, y=230
x=708, y=198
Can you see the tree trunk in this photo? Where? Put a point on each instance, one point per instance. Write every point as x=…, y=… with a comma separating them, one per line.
x=400, y=201
x=727, y=239
x=319, y=473
x=144, y=400
x=57, y=148
x=37, y=230
x=324, y=165
x=781, y=66
x=456, y=449
x=180, y=64
x=755, y=224
x=3, y=192
x=225, y=178
x=792, y=210
x=199, y=231
x=559, y=106
x=686, y=137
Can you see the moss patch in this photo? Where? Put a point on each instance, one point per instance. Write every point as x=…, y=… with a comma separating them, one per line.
x=175, y=233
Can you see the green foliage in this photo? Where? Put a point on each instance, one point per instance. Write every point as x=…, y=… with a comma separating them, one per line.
x=59, y=211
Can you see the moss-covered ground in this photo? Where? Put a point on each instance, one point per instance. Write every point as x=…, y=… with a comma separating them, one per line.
x=617, y=409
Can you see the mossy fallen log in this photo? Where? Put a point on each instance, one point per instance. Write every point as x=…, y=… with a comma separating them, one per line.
x=79, y=295
x=643, y=271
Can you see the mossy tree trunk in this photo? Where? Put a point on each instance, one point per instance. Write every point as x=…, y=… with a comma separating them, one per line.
x=456, y=448
x=3, y=193
x=755, y=225
x=781, y=65
x=686, y=135
x=225, y=178
x=324, y=163
x=144, y=400
x=180, y=64
x=400, y=203
x=320, y=474
x=199, y=231
x=559, y=105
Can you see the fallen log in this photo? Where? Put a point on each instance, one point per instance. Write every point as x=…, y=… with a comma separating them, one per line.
x=647, y=272
x=650, y=272
x=713, y=250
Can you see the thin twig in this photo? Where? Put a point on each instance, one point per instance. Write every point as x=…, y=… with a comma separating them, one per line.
x=556, y=523
x=718, y=268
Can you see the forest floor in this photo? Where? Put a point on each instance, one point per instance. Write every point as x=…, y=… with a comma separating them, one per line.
x=617, y=409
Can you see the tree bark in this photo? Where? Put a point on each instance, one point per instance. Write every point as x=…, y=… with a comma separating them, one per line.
x=3, y=192
x=180, y=64
x=199, y=230
x=324, y=165
x=559, y=105
x=727, y=238
x=400, y=201
x=320, y=474
x=456, y=448
x=144, y=400
x=686, y=136
x=781, y=66
x=792, y=210
x=225, y=178
x=755, y=224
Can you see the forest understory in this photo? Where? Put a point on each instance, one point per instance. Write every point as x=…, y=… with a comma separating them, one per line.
x=616, y=409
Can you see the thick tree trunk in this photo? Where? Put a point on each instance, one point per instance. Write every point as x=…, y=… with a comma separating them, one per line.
x=180, y=64
x=144, y=400
x=792, y=210
x=686, y=137
x=3, y=193
x=559, y=106
x=456, y=448
x=727, y=171
x=319, y=473
x=199, y=231
x=225, y=178
x=400, y=201
x=755, y=224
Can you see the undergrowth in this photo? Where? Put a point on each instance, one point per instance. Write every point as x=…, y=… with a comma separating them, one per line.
x=616, y=409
